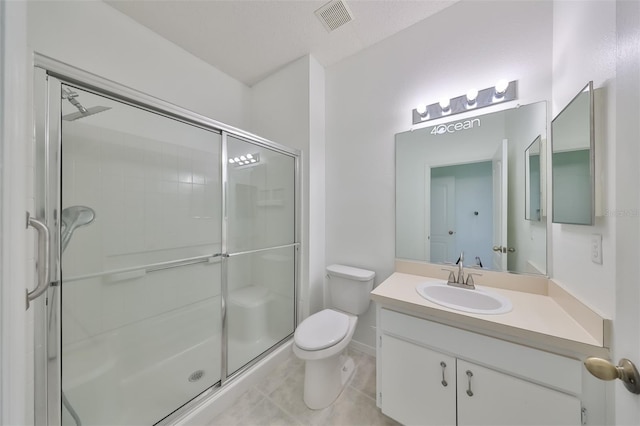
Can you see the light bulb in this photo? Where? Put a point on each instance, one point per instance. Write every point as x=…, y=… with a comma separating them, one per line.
x=242, y=157
x=472, y=95
x=236, y=159
x=422, y=110
x=444, y=104
x=253, y=160
x=249, y=156
x=501, y=87
x=231, y=161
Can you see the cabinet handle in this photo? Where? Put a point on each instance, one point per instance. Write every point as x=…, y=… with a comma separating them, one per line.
x=443, y=365
x=469, y=376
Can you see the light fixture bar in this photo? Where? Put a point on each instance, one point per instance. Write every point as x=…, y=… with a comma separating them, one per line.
x=244, y=160
x=486, y=97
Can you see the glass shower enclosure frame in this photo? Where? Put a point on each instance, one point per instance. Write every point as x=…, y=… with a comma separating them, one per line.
x=214, y=233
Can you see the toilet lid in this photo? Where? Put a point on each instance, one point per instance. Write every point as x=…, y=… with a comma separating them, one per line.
x=321, y=330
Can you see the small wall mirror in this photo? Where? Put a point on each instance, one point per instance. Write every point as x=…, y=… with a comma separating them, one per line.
x=533, y=180
x=460, y=187
x=573, y=161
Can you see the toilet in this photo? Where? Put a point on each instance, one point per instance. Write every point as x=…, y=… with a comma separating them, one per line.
x=321, y=339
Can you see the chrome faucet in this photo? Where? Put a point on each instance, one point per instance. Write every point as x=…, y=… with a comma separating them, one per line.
x=460, y=281
x=460, y=263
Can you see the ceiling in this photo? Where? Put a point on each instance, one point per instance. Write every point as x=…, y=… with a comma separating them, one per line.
x=250, y=39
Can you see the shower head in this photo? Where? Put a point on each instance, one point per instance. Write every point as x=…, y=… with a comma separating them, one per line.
x=71, y=96
x=87, y=112
x=74, y=217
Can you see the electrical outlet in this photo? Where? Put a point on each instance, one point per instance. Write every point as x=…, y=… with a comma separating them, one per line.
x=596, y=248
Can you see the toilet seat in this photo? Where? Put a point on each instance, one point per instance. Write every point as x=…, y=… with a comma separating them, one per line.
x=322, y=330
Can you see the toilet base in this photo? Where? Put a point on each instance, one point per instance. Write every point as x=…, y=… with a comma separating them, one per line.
x=324, y=379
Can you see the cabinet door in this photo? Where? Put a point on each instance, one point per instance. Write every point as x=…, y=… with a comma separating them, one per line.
x=487, y=397
x=418, y=385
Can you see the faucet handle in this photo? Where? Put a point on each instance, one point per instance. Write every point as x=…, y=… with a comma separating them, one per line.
x=452, y=275
x=470, y=278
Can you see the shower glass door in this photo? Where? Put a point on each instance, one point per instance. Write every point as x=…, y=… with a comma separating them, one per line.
x=261, y=243
x=141, y=225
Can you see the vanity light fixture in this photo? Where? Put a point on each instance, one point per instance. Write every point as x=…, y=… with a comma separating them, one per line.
x=503, y=91
x=472, y=96
x=422, y=110
x=244, y=160
x=445, y=105
x=501, y=88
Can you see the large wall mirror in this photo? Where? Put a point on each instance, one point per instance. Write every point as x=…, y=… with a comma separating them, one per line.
x=573, y=161
x=460, y=186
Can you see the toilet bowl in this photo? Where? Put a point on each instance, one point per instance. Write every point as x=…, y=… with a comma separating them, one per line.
x=321, y=339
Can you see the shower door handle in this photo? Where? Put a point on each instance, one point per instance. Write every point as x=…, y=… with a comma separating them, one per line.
x=44, y=272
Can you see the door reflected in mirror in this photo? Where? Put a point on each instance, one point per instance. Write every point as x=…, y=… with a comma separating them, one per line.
x=573, y=161
x=459, y=187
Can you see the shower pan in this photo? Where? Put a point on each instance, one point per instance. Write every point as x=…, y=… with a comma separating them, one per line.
x=173, y=263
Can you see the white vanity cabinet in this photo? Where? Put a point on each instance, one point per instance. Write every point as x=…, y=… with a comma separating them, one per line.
x=434, y=374
x=488, y=397
x=418, y=384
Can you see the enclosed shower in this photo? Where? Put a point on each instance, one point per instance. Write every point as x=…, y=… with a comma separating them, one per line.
x=174, y=252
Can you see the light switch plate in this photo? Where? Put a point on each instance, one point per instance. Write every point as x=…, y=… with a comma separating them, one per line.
x=596, y=248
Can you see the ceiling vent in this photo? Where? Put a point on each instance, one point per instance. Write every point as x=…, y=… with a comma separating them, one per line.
x=334, y=14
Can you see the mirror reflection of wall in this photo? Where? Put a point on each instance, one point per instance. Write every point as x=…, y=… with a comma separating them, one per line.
x=533, y=180
x=573, y=147
x=446, y=196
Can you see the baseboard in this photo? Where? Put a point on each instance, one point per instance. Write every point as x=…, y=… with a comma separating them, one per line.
x=361, y=347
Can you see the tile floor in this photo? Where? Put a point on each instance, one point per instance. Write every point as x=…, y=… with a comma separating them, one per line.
x=277, y=400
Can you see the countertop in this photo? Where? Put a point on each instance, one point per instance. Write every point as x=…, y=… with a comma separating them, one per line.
x=537, y=320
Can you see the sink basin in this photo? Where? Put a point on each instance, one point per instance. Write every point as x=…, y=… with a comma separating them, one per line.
x=478, y=301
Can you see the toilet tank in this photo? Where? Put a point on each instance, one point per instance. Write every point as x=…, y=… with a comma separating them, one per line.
x=349, y=288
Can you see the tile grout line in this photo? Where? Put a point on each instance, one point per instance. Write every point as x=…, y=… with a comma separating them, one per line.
x=295, y=418
x=363, y=393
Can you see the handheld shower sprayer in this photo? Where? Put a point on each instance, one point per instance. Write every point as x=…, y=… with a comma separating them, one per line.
x=72, y=218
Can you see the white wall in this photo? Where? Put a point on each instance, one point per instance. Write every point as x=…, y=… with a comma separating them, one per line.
x=317, y=188
x=584, y=49
x=529, y=238
x=93, y=36
x=600, y=41
x=288, y=107
x=370, y=97
x=16, y=324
